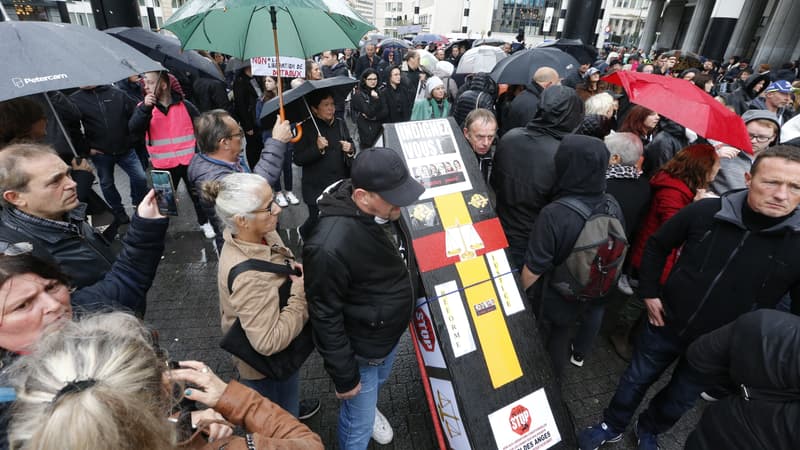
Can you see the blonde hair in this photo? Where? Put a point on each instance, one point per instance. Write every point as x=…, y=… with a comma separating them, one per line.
x=236, y=195
x=122, y=404
x=599, y=103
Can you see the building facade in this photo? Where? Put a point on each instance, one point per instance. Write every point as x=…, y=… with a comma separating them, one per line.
x=80, y=11
x=763, y=31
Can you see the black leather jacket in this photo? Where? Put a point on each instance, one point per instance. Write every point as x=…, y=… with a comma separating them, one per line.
x=81, y=251
x=358, y=285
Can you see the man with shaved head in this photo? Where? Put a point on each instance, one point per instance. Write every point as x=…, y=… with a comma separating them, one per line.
x=525, y=105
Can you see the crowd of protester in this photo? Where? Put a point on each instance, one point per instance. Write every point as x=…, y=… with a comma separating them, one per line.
x=710, y=231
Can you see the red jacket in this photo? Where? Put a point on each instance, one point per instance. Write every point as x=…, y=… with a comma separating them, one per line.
x=669, y=196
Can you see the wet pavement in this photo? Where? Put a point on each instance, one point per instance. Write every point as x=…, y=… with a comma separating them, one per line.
x=182, y=305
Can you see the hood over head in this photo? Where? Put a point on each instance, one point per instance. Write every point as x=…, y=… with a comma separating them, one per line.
x=581, y=163
x=560, y=109
x=671, y=127
x=751, y=82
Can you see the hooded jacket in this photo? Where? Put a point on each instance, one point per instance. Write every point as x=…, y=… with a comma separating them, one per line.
x=666, y=144
x=523, y=108
x=740, y=98
x=579, y=166
x=358, y=285
x=760, y=350
x=725, y=269
x=669, y=195
x=524, y=173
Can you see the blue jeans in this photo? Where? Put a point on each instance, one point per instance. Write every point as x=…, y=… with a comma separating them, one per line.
x=129, y=163
x=357, y=415
x=285, y=394
x=656, y=349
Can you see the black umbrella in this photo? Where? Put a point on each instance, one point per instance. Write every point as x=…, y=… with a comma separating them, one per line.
x=520, y=67
x=294, y=103
x=44, y=56
x=167, y=50
x=585, y=54
x=394, y=43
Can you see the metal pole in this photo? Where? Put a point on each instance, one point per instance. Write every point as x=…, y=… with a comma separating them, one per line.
x=60, y=124
x=5, y=17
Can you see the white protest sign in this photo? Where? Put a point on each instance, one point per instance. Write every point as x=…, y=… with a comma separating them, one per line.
x=290, y=67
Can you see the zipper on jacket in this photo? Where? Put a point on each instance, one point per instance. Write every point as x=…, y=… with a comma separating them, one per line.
x=714, y=282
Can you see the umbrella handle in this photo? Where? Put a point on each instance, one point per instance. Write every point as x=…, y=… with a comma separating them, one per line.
x=273, y=15
x=299, y=129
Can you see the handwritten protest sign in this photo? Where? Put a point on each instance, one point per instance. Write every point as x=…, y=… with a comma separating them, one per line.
x=290, y=67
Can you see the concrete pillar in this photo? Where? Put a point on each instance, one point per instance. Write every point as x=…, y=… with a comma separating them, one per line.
x=581, y=20
x=745, y=28
x=670, y=23
x=780, y=38
x=723, y=22
x=697, y=26
x=650, y=24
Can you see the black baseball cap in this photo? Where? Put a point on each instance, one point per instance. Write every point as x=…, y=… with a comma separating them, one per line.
x=383, y=171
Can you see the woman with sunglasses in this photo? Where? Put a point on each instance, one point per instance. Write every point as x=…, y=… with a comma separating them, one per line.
x=246, y=206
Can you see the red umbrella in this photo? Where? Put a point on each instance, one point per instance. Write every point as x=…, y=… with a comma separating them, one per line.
x=686, y=104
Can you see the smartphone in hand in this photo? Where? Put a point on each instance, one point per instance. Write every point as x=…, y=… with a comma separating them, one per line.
x=165, y=193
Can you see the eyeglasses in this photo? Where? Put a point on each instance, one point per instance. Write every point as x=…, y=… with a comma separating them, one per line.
x=240, y=134
x=268, y=209
x=760, y=139
x=372, y=78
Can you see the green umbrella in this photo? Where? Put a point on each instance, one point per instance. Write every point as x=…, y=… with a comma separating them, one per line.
x=241, y=27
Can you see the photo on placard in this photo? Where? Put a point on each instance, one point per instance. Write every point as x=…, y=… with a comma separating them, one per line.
x=423, y=215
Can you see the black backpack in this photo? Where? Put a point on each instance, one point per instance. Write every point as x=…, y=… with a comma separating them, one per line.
x=280, y=365
x=593, y=267
x=479, y=91
x=469, y=101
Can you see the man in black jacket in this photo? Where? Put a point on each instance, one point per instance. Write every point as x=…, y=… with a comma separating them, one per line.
x=525, y=105
x=523, y=173
x=760, y=354
x=360, y=289
x=105, y=111
x=41, y=208
x=738, y=253
x=331, y=67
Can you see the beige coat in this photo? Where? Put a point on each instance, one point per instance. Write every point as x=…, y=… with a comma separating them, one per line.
x=255, y=299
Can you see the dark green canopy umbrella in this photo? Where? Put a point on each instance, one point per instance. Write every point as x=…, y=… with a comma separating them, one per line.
x=242, y=28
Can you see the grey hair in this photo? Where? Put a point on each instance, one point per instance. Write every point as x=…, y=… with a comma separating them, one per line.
x=122, y=405
x=211, y=129
x=12, y=178
x=627, y=145
x=236, y=195
x=599, y=103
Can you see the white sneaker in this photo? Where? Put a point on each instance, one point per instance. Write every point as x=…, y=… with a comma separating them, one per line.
x=624, y=285
x=208, y=230
x=280, y=199
x=381, y=430
x=292, y=199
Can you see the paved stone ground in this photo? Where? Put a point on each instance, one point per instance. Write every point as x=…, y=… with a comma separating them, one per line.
x=183, y=307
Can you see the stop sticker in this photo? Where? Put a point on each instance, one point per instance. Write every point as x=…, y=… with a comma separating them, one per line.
x=520, y=419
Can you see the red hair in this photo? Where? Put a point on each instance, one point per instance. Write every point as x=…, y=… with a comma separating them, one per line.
x=634, y=121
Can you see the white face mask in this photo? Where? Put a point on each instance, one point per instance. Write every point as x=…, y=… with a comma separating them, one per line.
x=381, y=220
